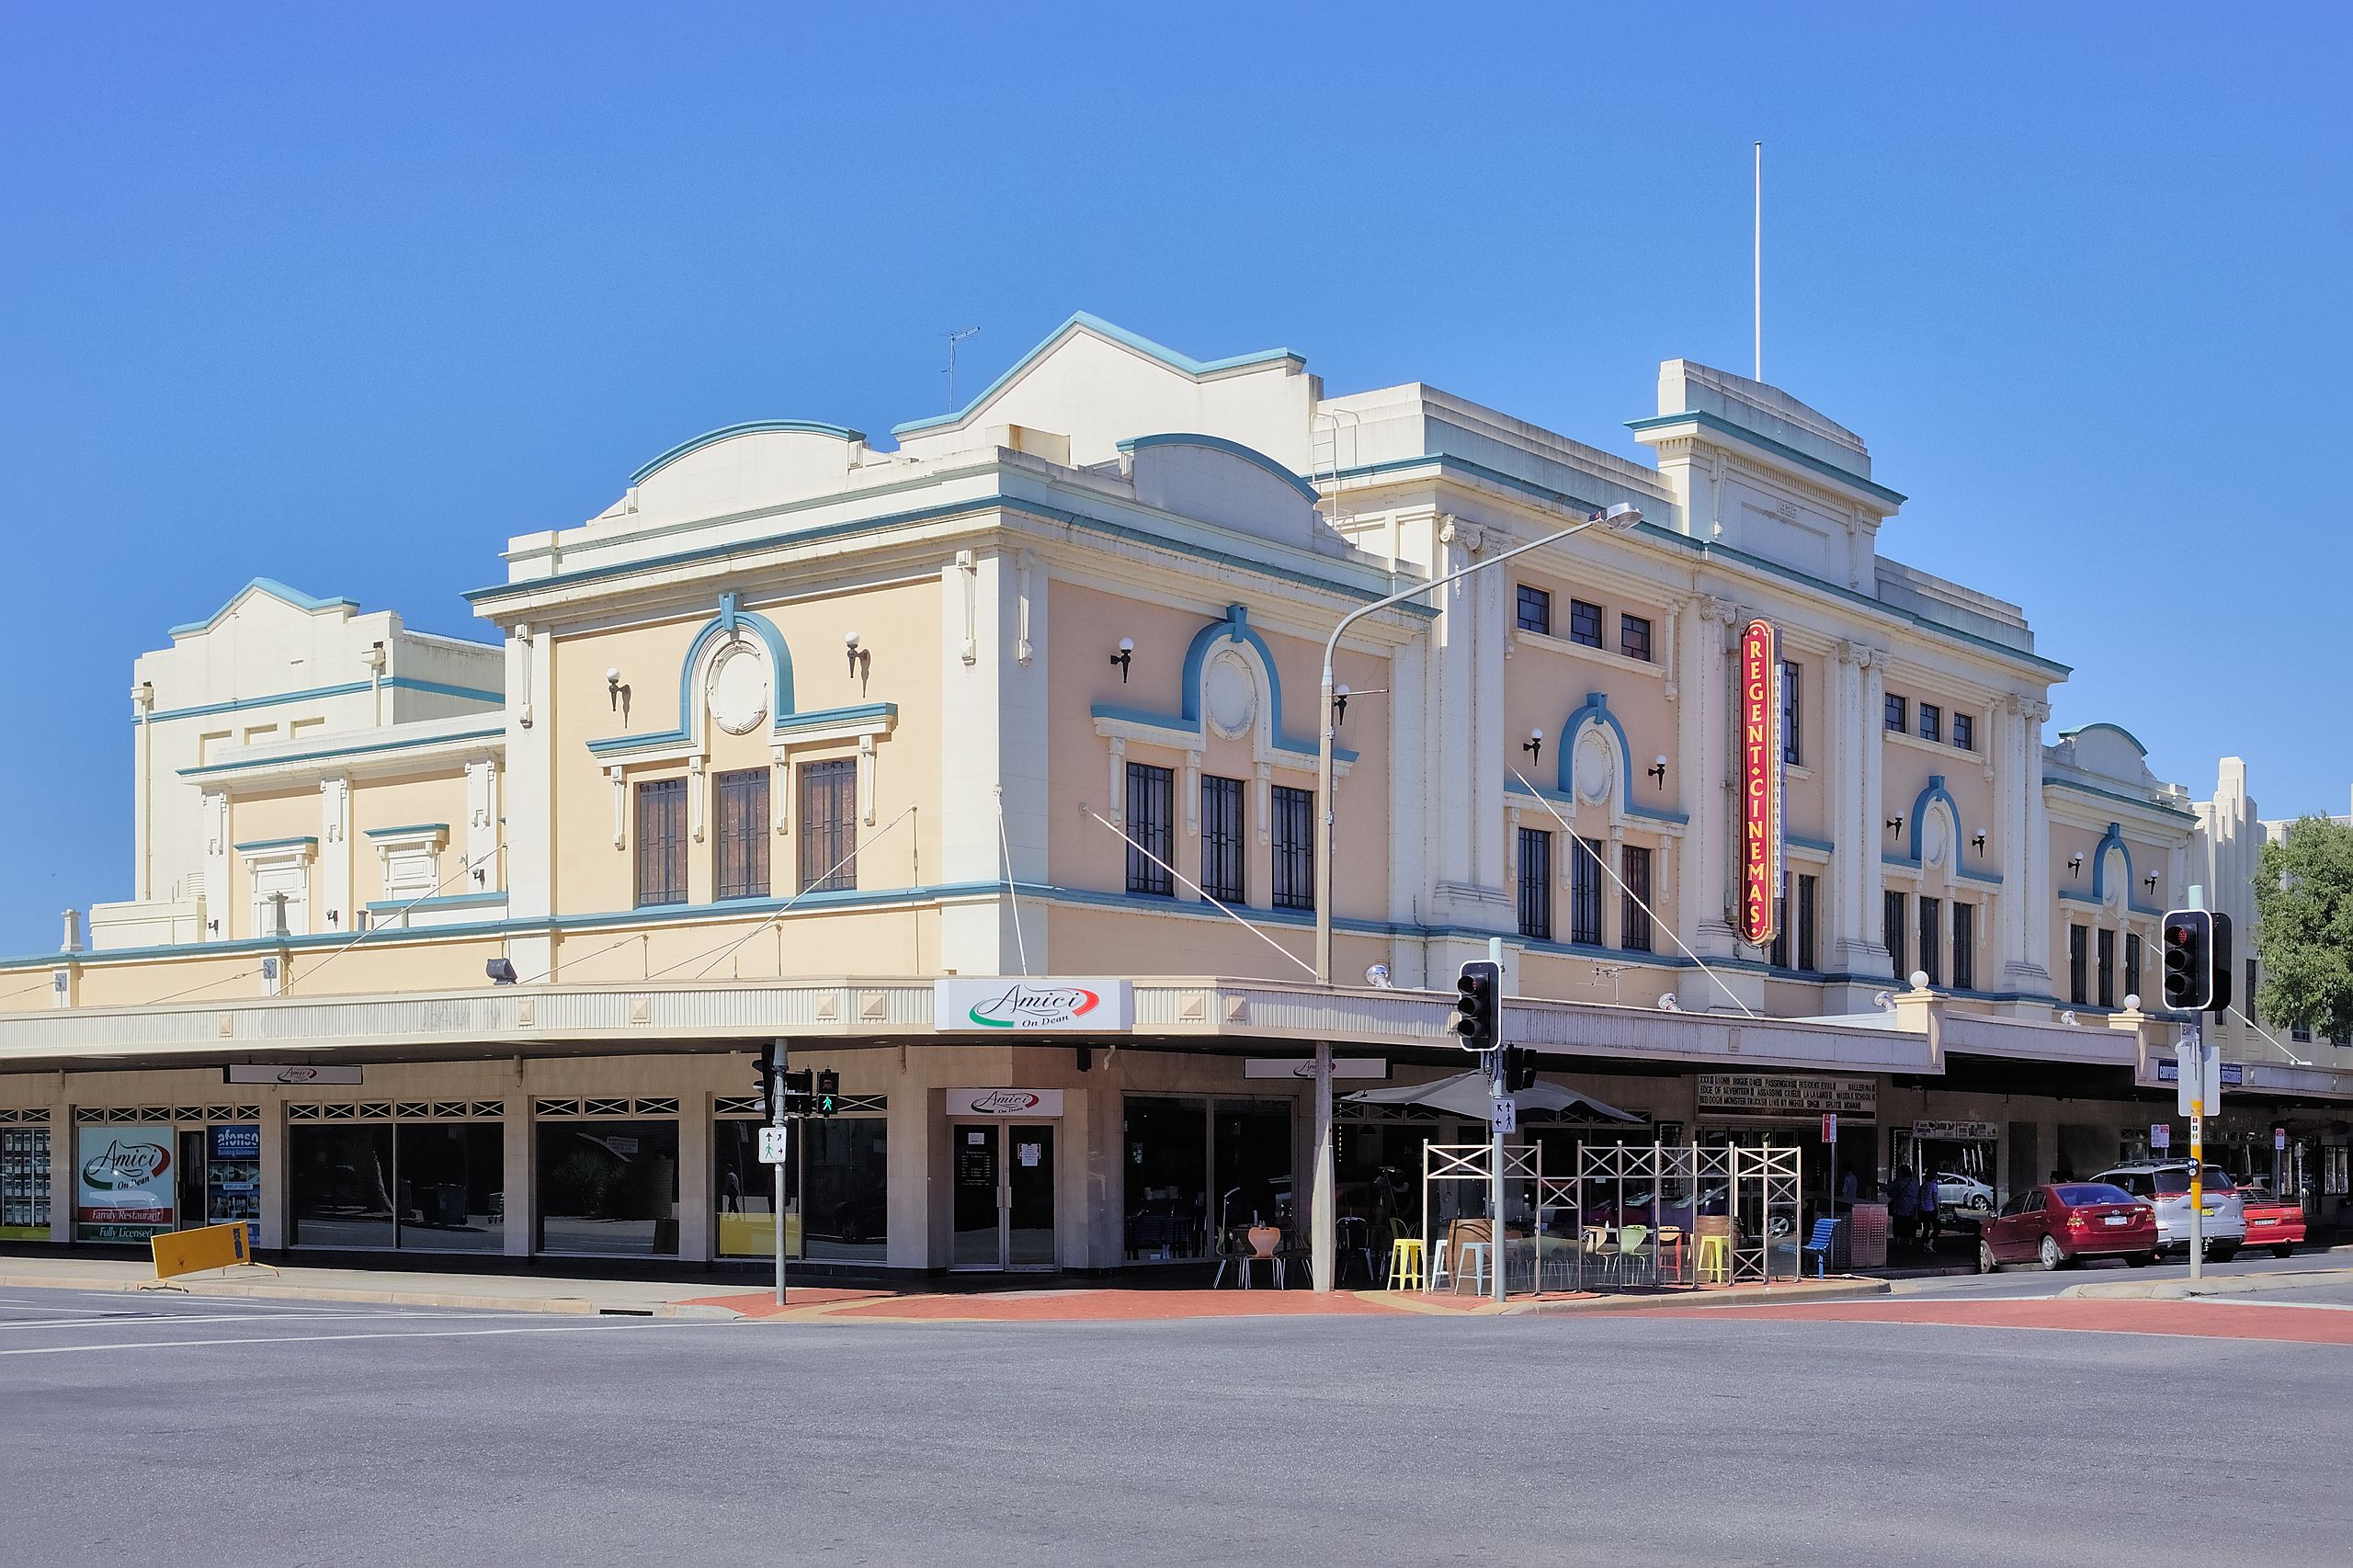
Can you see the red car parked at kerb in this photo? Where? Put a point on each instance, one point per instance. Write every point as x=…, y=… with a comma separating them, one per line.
x=2060, y=1224
x=2273, y=1222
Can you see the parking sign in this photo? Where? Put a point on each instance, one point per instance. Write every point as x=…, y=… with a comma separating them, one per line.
x=2161, y=1135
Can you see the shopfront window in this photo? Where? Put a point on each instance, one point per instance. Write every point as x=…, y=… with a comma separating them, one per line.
x=452, y=1185
x=609, y=1187
x=339, y=1185
x=836, y=1191
x=1251, y=1163
x=24, y=1184
x=1379, y=1177
x=1168, y=1143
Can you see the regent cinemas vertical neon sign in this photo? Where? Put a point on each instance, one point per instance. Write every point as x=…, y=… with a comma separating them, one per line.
x=1760, y=781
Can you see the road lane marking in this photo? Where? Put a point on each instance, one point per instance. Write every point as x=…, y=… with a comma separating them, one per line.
x=320, y=1338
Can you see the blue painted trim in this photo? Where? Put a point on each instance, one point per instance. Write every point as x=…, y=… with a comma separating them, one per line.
x=411, y=828
x=2114, y=838
x=2051, y=781
x=999, y=501
x=1231, y=449
x=1595, y=712
x=498, y=734
x=1765, y=443
x=786, y=725
x=1443, y=460
x=349, y=688
x=2104, y=724
x=449, y=901
x=1120, y=335
x=748, y=427
x=1933, y=792
x=276, y=590
x=1819, y=845
x=1559, y=797
x=259, y=843
x=1188, y=724
x=730, y=618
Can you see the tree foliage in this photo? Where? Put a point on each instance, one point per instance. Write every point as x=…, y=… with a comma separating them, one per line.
x=2303, y=934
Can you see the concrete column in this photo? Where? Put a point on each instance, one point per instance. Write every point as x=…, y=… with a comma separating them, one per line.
x=1858, y=947
x=1463, y=741
x=1703, y=867
x=918, y=1149
x=62, y=1135
x=335, y=857
x=2033, y=972
x=522, y=1196
x=695, y=1204
x=993, y=750
x=276, y=1167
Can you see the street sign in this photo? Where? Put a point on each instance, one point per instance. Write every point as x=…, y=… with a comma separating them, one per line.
x=2279, y=1139
x=2198, y=1081
x=2161, y=1135
x=1506, y=1115
x=773, y=1146
x=1830, y=1127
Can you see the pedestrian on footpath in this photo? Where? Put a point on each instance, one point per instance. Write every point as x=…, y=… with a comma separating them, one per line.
x=1902, y=1204
x=1931, y=1221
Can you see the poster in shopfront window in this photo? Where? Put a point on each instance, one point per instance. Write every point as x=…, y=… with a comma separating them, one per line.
x=123, y=1183
x=233, y=1175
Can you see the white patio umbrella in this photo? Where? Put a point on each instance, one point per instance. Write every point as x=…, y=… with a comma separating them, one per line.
x=1466, y=1095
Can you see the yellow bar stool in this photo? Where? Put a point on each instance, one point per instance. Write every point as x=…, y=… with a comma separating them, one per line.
x=1711, y=1262
x=1406, y=1264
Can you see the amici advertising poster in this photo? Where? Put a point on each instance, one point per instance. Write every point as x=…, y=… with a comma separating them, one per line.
x=123, y=1183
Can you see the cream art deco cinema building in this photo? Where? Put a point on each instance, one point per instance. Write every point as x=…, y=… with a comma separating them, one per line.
x=877, y=747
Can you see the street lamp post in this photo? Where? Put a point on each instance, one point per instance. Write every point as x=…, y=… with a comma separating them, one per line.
x=1622, y=518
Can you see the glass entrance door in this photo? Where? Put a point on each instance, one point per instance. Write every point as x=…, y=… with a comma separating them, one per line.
x=1003, y=1195
x=1030, y=1197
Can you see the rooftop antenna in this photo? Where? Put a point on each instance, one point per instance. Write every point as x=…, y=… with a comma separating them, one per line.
x=1757, y=271
x=953, y=339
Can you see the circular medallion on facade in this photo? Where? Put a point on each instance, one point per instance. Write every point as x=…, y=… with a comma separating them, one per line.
x=1230, y=695
x=1594, y=768
x=738, y=687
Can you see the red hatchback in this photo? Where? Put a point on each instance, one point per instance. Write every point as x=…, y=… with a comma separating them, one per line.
x=2056, y=1225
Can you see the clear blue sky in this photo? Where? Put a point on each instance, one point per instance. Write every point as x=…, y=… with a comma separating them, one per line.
x=348, y=298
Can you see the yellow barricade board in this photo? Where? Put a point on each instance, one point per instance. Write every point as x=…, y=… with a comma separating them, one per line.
x=191, y=1251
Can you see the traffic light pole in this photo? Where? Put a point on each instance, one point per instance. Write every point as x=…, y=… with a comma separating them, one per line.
x=1496, y=1089
x=775, y=1119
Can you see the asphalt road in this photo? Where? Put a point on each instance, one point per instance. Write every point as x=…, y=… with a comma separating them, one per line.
x=139, y=1429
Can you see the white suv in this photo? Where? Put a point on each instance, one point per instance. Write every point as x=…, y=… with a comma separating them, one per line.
x=2164, y=1185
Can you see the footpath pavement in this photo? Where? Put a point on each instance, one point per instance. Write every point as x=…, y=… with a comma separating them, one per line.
x=674, y=1299
x=2215, y=1284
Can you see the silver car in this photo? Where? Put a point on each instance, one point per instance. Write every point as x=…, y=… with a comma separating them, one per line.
x=2164, y=1185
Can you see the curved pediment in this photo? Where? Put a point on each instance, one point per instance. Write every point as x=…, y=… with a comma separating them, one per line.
x=1225, y=482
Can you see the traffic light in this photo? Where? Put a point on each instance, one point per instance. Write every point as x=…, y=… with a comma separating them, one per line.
x=829, y=1092
x=2189, y=960
x=1518, y=1068
x=797, y=1086
x=1477, y=1015
x=770, y=1063
x=2219, y=999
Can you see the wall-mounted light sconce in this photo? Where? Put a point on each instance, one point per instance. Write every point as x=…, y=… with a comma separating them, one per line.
x=1895, y=825
x=1658, y=770
x=213, y=927
x=2151, y=881
x=334, y=916
x=860, y=660
x=1127, y=651
x=1977, y=842
x=501, y=971
x=481, y=876
x=2074, y=865
x=1377, y=976
x=618, y=690
x=1534, y=745
x=1339, y=705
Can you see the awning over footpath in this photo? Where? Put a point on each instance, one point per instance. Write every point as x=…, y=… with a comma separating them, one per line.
x=1467, y=1094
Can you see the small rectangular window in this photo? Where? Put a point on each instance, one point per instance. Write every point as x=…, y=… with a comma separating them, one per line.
x=2106, y=948
x=1932, y=912
x=1585, y=892
x=1964, y=732
x=1634, y=637
x=1778, y=955
x=1635, y=926
x=1293, y=832
x=1536, y=883
x=2131, y=963
x=1932, y=722
x=741, y=802
x=1585, y=623
x=828, y=825
x=1895, y=713
x=2248, y=1004
x=1149, y=825
x=1792, y=747
x=1221, y=839
x=2079, y=943
x=1535, y=611
x=1808, y=954
x=661, y=841
x=1964, y=947
x=1890, y=922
